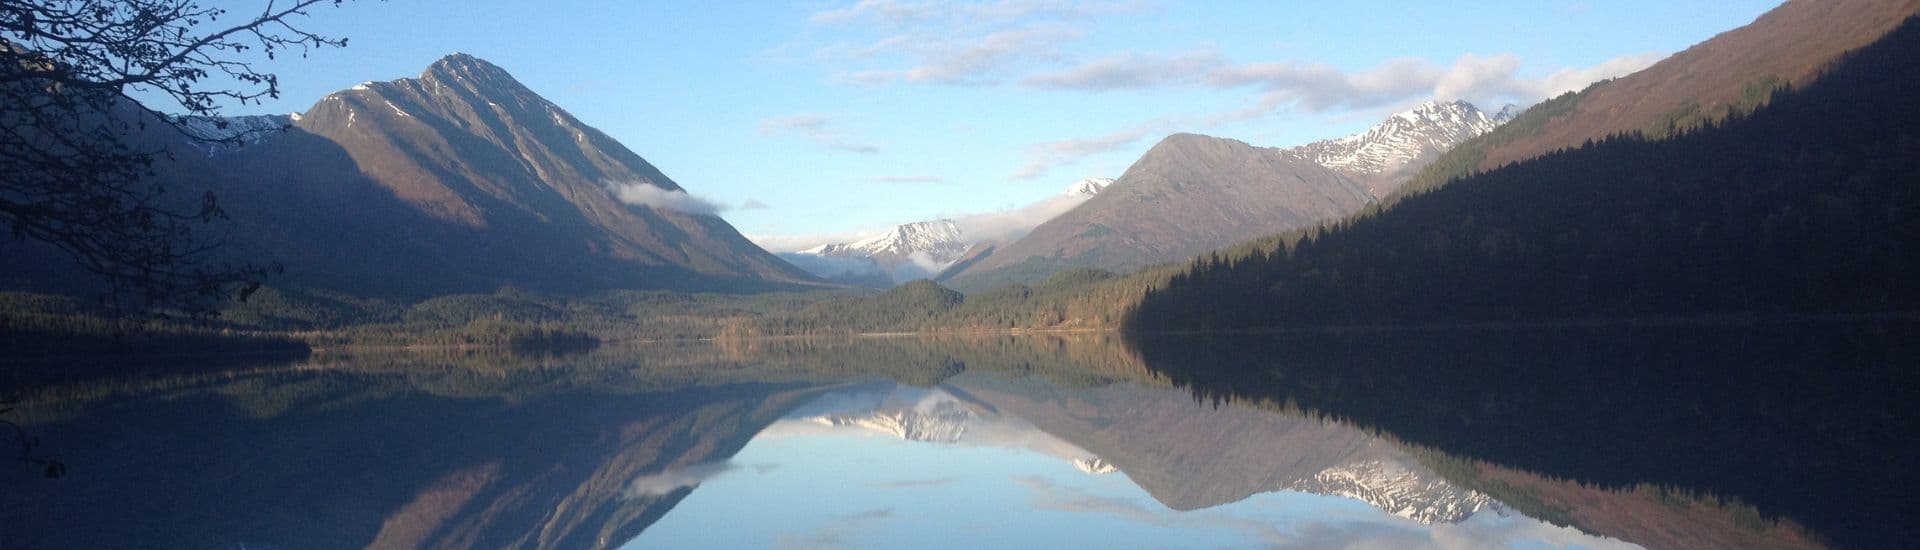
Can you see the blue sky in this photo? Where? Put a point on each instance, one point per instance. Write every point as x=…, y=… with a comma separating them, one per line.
x=819, y=121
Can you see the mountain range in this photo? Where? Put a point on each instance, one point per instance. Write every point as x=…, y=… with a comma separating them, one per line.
x=1244, y=452
x=1191, y=193
x=459, y=180
x=1790, y=208
x=923, y=249
x=1190, y=456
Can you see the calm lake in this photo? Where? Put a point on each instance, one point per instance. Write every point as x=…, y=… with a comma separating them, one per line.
x=1778, y=436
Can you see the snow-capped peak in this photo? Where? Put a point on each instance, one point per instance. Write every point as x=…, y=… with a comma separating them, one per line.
x=1088, y=187
x=1430, y=128
x=922, y=249
x=935, y=236
x=1094, y=465
x=1400, y=491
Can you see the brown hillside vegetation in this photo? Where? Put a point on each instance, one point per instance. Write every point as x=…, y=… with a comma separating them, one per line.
x=1789, y=45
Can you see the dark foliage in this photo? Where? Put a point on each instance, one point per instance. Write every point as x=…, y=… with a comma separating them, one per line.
x=1809, y=205
x=1811, y=421
x=77, y=156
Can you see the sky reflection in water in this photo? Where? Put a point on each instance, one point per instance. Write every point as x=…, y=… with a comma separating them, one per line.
x=869, y=468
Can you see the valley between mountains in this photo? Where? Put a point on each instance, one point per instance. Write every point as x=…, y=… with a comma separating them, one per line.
x=461, y=206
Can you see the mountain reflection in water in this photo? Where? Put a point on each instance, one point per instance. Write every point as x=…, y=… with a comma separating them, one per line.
x=1002, y=441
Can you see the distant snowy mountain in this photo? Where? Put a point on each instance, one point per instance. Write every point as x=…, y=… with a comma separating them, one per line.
x=215, y=134
x=943, y=421
x=916, y=250
x=1088, y=187
x=935, y=416
x=1406, y=140
x=908, y=251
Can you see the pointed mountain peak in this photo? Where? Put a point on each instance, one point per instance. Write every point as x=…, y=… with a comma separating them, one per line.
x=1403, y=139
x=1087, y=187
x=1508, y=112
x=462, y=61
x=1190, y=144
x=466, y=71
x=1434, y=110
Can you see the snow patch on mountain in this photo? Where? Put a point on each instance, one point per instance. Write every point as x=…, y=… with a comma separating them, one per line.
x=1399, y=490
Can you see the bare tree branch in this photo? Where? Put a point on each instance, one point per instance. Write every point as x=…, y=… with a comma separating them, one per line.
x=74, y=171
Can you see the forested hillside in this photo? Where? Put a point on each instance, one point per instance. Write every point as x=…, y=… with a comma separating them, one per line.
x=1806, y=206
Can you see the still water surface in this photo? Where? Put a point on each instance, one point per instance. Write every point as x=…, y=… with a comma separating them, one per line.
x=1037, y=441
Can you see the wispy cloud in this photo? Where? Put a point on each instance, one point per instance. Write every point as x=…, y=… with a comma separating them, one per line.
x=1130, y=71
x=908, y=179
x=912, y=483
x=790, y=243
x=894, y=13
x=816, y=128
x=1042, y=158
x=1317, y=87
x=836, y=531
x=1010, y=224
x=979, y=60
x=753, y=204
x=956, y=43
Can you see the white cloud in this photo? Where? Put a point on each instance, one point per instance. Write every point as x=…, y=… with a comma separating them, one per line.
x=648, y=195
x=1574, y=79
x=1484, y=80
x=967, y=60
x=1006, y=225
x=674, y=478
x=816, y=128
x=753, y=204
x=1319, y=87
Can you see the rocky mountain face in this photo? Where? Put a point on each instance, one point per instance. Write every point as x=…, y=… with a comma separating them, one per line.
x=1191, y=193
x=911, y=251
x=1399, y=489
x=460, y=180
x=1385, y=155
